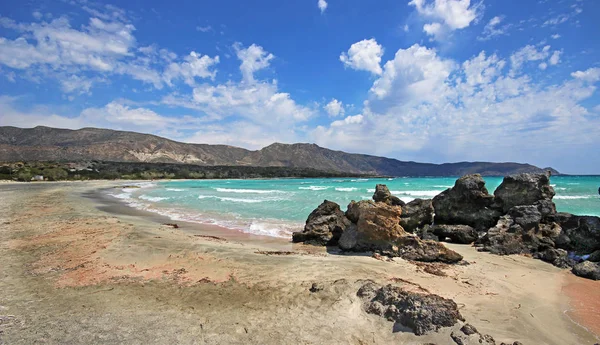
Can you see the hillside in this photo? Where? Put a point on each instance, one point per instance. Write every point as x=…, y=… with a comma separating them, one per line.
x=52, y=144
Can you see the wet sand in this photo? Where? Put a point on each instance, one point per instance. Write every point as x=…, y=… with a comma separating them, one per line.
x=78, y=268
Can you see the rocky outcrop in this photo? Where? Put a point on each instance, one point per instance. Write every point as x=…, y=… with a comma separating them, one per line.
x=416, y=214
x=468, y=335
x=421, y=312
x=557, y=257
x=463, y=234
x=383, y=194
x=587, y=269
x=324, y=225
x=523, y=189
x=467, y=203
x=376, y=227
x=581, y=234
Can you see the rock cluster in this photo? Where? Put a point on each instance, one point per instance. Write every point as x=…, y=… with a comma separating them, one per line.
x=519, y=218
x=374, y=226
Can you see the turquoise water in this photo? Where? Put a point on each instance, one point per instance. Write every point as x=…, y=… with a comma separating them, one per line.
x=277, y=207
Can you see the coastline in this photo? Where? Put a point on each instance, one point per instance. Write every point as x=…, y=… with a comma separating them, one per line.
x=98, y=264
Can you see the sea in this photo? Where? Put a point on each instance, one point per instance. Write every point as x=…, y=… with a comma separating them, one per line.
x=278, y=207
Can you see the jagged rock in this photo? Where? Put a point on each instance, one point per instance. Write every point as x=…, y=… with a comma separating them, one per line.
x=416, y=214
x=468, y=329
x=416, y=249
x=456, y=233
x=505, y=238
x=523, y=189
x=324, y=225
x=461, y=338
x=467, y=203
x=557, y=257
x=587, y=269
x=583, y=232
x=426, y=233
x=422, y=313
x=377, y=227
x=382, y=194
x=528, y=217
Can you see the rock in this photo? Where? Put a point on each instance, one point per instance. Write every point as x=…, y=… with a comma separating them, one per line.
x=523, y=189
x=557, y=257
x=463, y=234
x=461, y=338
x=505, y=238
x=416, y=249
x=426, y=233
x=316, y=287
x=377, y=227
x=416, y=214
x=324, y=225
x=583, y=232
x=467, y=203
x=382, y=194
x=469, y=329
x=422, y=313
x=528, y=217
x=587, y=269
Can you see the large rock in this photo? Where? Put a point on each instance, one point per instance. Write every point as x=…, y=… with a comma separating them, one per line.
x=508, y=237
x=377, y=227
x=528, y=217
x=463, y=234
x=587, y=269
x=557, y=257
x=581, y=233
x=421, y=312
x=413, y=248
x=523, y=189
x=382, y=194
x=467, y=203
x=416, y=214
x=324, y=225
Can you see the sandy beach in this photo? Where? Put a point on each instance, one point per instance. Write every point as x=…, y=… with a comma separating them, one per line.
x=80, y=268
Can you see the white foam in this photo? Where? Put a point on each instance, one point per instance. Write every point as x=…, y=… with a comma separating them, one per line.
x=250, y=201
x=153, y=198
x=346, y=189
x=247, y=191
x=360, y=180
x=443, y=186
x=571, y=197
x=271, y=229
x=175, y=189
x=315, y=187
x=416, y=192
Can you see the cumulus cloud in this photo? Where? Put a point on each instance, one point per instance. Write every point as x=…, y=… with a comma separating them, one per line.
x=532, y=53
x=449, y=15
x=206, y=28
x=194, y=66
x=254, y=58
x=364, y=55
x=322, y=4
x=334, y=108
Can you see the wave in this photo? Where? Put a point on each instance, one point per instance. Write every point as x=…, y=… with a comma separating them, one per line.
x=360, y=180
x=175, y=190
x=249, y=201
x=416, y=192
x=443, y=186
x=270, y=229
x=315, y=187
x=346, y=189
x=572, y=197
x=247, y=191
x=153, y=198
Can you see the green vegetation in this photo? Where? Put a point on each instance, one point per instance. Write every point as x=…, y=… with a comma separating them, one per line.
x=95, y=170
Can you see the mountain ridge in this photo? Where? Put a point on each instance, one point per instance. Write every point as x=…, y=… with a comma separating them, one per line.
x=54, y=144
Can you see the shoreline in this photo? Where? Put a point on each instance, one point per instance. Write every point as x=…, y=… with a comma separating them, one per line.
x=91, y=270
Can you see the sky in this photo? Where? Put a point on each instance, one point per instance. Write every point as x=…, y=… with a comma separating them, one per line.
x=422, y=80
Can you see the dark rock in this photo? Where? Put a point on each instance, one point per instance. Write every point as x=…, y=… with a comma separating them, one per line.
x=463, y=234
x=416, y=214
x=583, y=232
x=422, y=313
x=505, y=238
x=415, y=249
x=460, y=338
x=523, y=189
x=587, y=269
x=467, y=203
x=469, y=329
x=546, y=207
x=316, y=287
x=377, y=227
x=426, y=233
x=527, y=217
x=324, y=225
x=557, y=257
x=382, y=194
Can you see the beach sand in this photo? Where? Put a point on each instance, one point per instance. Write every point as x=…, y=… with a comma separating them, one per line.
x=79, y=268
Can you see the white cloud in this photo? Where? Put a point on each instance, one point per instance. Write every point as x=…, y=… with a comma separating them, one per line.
x=454, y=14
x=434, y=29
x=591, y=75
x=206, y=28
x=555, y=58
x=194, y=65
x=254, y=58
x=543, y=66
x=334, y=108
x=322, y=4
x=529, y=53
x=493, y=29
x=555, y=36
x=364, y=55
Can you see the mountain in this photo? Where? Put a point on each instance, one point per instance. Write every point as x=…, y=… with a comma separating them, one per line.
x=86, y=144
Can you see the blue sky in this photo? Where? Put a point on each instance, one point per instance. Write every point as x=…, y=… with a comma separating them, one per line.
x=423, y=80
